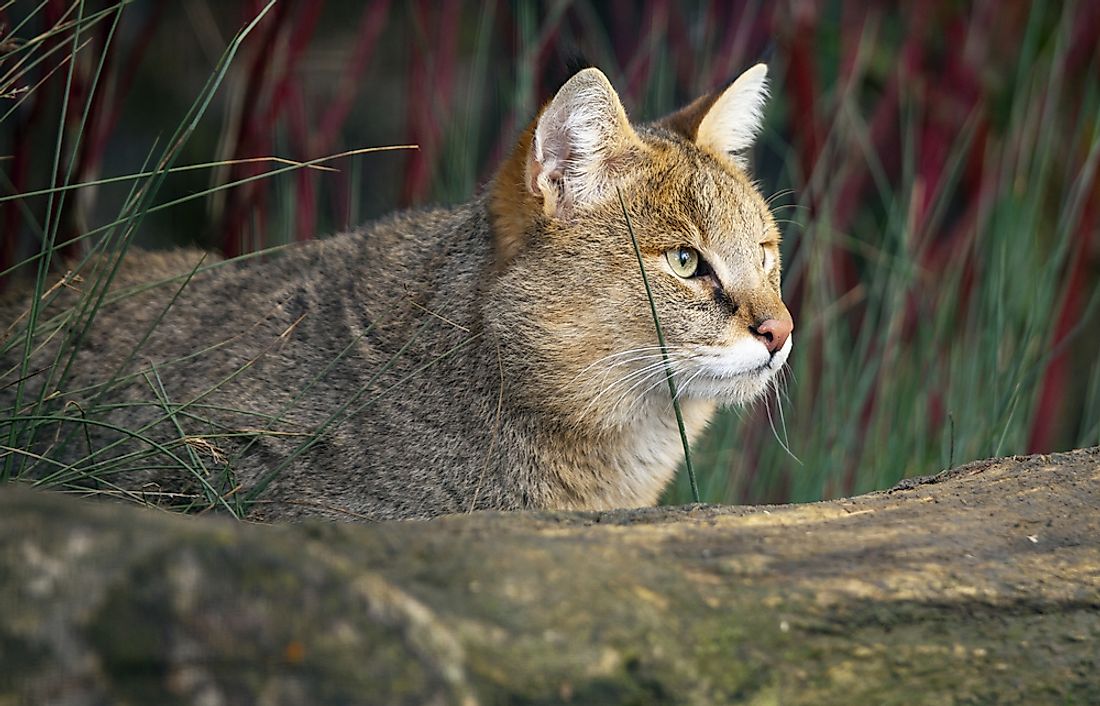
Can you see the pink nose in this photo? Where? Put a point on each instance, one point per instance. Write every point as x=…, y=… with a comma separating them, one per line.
x=773, y=333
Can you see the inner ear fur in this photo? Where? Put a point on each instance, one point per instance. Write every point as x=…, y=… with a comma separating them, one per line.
x=579, y=138
x=570, y=157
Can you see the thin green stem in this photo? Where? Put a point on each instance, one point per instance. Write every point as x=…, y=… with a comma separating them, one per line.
x=664, y=354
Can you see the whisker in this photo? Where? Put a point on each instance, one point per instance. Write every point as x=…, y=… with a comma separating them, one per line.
x=568, y=386
x=645, y=371
x=654, y=385
x=638, y=398
x=649, y=367
x=783, y=424
x=611, y=368
x=630, y=351
x=790, y=205
x=779, y=194
x=680, y=388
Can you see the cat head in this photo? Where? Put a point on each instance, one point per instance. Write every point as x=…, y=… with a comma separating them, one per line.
x=567, y=292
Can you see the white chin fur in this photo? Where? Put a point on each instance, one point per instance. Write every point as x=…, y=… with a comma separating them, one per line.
x=735, y=374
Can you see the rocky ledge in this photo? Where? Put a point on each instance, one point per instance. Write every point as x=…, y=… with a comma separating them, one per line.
x=978, y=585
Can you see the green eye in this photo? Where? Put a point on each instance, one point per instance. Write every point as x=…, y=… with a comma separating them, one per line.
x=684, y=261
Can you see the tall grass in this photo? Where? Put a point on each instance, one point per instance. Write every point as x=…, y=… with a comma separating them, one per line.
x=937, y=314
x=933, y=170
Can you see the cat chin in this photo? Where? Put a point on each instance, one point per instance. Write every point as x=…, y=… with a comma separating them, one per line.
x=731, y=391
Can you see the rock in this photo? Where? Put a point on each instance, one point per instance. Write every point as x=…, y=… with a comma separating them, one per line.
x=978, y=585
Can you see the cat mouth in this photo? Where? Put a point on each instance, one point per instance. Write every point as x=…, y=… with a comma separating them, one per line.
x=744, y=359
x=779, y=358
x=735, y=373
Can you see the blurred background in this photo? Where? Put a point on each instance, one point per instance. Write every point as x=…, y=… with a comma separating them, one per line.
x=932, y=166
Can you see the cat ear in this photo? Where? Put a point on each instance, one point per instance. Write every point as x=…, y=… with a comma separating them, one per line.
x=726, y=122
x=578, y=142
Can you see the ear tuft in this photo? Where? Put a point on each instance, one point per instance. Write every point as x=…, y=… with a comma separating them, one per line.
x=729, y=122
x=575, y=144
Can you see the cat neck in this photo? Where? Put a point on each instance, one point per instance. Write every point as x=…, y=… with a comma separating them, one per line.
x=628, y=466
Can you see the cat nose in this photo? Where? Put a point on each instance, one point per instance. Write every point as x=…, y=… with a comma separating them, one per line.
x=773, y=333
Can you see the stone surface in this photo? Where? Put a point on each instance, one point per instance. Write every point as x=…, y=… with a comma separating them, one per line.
x=980, y=585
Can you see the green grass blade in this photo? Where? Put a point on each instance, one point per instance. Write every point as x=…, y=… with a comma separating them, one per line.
x=664, y=353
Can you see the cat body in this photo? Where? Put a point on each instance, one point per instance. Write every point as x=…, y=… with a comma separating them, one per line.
x=496, y=355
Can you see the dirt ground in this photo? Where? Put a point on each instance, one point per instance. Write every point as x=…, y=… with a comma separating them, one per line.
x=979, y=585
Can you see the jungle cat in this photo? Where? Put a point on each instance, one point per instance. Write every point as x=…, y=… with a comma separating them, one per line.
x=500, y=354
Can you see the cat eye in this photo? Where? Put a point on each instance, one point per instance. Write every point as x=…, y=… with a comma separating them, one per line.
x=684, y=261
